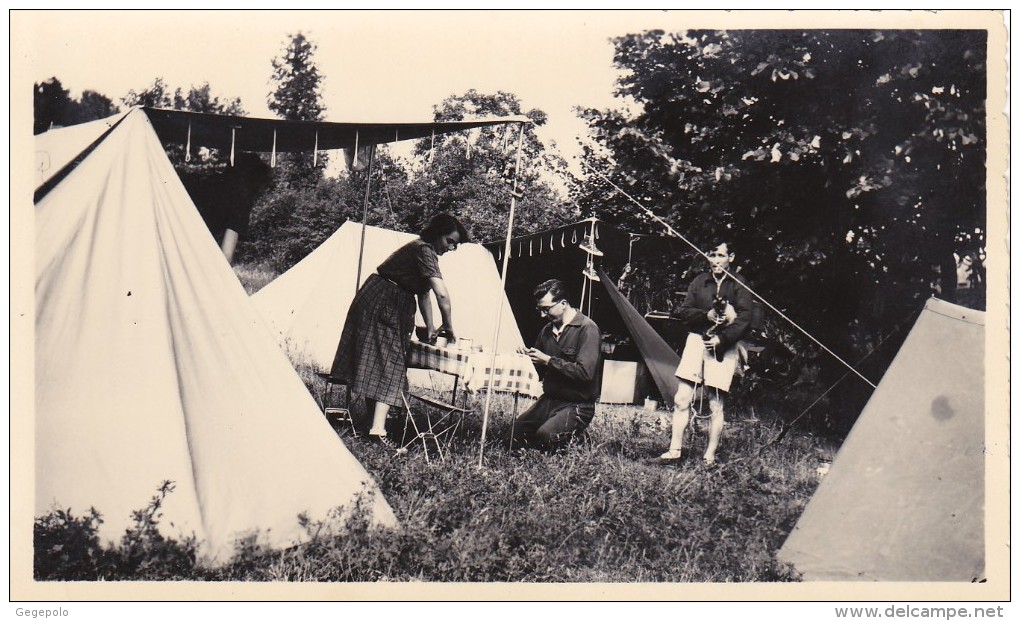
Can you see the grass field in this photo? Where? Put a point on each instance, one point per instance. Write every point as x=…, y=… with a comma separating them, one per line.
x=604, y=510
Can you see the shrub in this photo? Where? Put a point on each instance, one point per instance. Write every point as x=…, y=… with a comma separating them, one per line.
x=70, y=548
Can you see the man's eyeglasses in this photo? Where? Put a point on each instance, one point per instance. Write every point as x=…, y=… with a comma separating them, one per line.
x=546, y=309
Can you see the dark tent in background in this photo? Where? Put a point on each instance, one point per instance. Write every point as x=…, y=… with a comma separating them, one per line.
x=631, y=346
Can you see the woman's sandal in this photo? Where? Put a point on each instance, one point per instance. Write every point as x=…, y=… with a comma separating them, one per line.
x=380, y=439
x=671, y=455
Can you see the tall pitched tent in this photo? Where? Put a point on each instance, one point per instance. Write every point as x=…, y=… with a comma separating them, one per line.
x=904, y=498
x=306, y=306
x=152, y=364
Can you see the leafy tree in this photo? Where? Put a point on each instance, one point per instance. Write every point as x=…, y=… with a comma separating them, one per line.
x=845, y=164
x=471, y=174
x=289, y=222
x=201, y=99
x=93, y=105
x=297, y=96
x=53, y=105
x=196, y=99
x=156, y=95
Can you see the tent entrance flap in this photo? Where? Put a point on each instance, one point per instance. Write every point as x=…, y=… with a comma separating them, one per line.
x=660, y=359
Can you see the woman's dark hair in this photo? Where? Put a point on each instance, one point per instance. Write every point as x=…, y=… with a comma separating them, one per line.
x=554, y=287
x=444, y=224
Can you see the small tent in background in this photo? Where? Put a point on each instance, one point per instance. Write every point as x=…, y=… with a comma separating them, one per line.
x=306, y=306
x=152, y=364
x=904, y=499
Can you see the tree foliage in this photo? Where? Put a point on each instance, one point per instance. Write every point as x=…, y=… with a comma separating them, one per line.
x=54, y=106
x=471, y=174
x=297, y=93
x=844, y=164
x=196, y=99
x=297, y=96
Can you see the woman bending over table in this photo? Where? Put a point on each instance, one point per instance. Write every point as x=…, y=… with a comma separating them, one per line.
x=372, y=353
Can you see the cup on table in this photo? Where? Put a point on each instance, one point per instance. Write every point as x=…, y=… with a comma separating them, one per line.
x=441, y=341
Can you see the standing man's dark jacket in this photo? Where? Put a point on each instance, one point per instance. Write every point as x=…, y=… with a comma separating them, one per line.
x=693, y=313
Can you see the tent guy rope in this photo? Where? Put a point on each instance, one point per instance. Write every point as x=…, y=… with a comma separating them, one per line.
x=676, y=234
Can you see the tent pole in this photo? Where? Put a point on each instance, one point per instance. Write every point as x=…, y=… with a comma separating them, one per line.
x=499, y=312
x=364, y=215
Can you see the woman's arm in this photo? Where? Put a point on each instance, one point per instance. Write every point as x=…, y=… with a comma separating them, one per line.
x=443, y=299
x=425, y=306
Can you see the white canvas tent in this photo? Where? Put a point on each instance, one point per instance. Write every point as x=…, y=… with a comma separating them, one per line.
x=904, y=499
x=306, y=306
x=151, y=363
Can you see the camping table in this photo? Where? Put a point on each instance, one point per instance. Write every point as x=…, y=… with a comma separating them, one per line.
x=448, y=360
x=513, y=372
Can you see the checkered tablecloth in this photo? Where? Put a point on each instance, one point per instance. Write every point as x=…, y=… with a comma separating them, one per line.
x=513, y=372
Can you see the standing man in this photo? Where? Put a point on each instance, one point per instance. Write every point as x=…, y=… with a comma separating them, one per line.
x=568, y=353
x=717, y=313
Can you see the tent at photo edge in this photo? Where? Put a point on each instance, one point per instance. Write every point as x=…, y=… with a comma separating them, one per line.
x=98, y=350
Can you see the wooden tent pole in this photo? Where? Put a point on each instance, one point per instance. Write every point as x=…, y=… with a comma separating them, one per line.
x=364, y=214
x=502, y=290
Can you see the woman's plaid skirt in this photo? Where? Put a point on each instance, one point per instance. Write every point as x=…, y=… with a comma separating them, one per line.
x=372, y=354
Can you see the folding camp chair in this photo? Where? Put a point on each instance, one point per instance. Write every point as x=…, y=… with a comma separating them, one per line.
x=440, y=422
x=338, y=415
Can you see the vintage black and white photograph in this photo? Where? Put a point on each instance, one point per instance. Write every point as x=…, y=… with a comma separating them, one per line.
x=666, y=302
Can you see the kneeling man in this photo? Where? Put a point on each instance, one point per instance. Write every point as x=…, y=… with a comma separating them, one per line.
x=568, y=355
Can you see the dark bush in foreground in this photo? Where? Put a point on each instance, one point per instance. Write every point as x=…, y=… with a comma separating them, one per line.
x=69, y=547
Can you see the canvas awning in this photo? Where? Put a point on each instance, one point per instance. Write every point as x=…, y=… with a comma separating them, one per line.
x=221, y=131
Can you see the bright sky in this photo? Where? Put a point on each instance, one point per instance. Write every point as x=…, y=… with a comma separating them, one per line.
x=379, y=66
